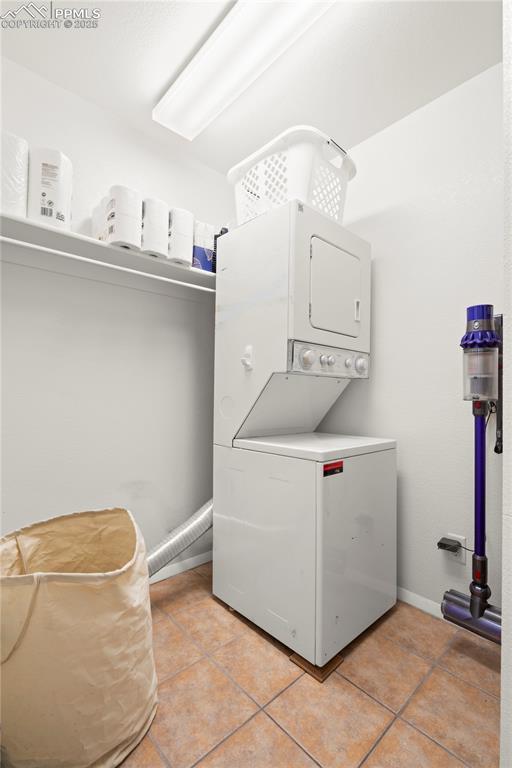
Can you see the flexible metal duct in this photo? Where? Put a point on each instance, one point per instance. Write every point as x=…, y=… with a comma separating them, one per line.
x=181, y=538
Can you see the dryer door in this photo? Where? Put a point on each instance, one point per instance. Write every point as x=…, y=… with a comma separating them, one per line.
x=335, y=289
x=329, y=297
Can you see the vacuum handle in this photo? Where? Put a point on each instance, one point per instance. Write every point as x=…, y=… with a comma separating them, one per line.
x=498, y=448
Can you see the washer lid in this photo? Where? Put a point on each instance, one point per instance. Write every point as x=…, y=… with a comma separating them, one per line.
x=316, y=446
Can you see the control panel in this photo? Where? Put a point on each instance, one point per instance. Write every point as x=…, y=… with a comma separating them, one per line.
x=329, y=361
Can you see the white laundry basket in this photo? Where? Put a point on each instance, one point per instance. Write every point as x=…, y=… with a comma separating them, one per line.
x=300, y=164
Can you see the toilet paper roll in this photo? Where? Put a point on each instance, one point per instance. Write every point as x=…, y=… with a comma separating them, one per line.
x=124, y=217
x=204, y=244
x=50, y=184
x=181, y=236
x=155, y=227
x=124, y=231
x=14, y=174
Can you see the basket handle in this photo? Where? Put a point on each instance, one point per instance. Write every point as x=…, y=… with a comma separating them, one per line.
x=340, y=149
x=334, y=154
x=338, y=157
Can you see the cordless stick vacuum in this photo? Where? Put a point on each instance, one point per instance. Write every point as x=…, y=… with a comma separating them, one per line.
x=482, y=347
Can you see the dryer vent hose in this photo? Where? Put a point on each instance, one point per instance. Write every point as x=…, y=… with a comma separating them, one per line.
x=181, y=538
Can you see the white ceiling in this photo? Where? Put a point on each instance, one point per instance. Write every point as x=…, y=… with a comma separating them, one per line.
x=363, y=66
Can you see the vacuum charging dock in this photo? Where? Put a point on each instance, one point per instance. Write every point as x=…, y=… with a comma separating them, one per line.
x=303, y=544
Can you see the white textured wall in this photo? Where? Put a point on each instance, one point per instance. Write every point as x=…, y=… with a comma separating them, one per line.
x=506, y=656
x=104, y=150
x=107, y=379
x=428, y=196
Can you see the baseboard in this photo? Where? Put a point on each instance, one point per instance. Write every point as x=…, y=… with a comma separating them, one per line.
x=182, y=565
x=418, y=601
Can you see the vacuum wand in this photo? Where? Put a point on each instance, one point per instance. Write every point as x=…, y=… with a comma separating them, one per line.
x=479, y=589
x=481, y=345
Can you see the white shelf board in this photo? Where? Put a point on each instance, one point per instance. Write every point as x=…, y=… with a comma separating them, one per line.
x=45, y=238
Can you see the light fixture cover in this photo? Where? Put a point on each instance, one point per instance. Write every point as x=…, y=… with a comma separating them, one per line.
x=247, y=41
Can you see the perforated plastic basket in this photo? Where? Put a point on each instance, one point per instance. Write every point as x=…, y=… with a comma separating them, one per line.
x=300, y=164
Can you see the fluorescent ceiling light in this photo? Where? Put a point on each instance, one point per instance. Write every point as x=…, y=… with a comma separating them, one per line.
x=247, y=41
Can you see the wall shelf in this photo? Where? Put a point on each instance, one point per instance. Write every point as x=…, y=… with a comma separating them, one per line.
x=23, y=232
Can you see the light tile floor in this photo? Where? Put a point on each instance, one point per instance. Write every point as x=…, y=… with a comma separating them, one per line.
x=412, y=692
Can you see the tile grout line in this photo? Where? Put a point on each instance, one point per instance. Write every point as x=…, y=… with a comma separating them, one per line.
x=157, y=747
x=224, y=739
x=276, y=696
x=434, y=666
x=283, y=729
x=370, y=695
x=205, y=654
x=376, y=742
x=209, y=656
x=437, y=743
x=396, y=716
x=403, y=647
x=466, y=682
x=416, y=689
x=261, y=709
x=190, y=637
x=163, y=680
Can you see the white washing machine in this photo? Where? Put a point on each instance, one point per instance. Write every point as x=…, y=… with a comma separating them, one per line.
x=304, y=533
x=305, y=543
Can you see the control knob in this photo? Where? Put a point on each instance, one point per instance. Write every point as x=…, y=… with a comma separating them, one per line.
x=307, y=357
x=361, y=364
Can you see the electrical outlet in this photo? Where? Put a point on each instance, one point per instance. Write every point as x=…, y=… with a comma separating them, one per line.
x=459, y=556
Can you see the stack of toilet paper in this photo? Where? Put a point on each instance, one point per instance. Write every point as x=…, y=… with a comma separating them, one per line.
x=36, y=182
x=123, y=218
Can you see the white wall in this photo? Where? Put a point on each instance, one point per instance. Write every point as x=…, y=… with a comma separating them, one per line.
x=107, y=384
x=104, y=150
x=428, y=196
x=506, y=652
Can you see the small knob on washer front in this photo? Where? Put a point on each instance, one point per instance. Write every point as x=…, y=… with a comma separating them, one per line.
x=331, y=360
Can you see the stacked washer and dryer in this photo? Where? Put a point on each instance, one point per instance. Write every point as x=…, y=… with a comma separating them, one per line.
x=304, y=523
